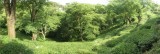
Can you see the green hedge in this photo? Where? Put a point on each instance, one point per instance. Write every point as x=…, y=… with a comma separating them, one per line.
x=12, y=47
x=15, y=48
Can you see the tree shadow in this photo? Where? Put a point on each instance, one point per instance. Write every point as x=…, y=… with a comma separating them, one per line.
x=15, y=48
x=21, y=35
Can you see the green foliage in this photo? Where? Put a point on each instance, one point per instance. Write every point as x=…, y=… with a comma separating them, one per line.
x=1, y=5
x=8, y=46
x=127, y=11
x=47, y=17
x=2, y=19
x=45, y=47
x=155, y=46
x=141, y=37
x=28, y=4
x=80, y=22
x=134, y=43
x=125, y=48
x=15, y=48
x=5, y=40
x=102, y=50
x=52, y=47
x=31, y=27
x=155, y=49
x=100, y=9
x=3, y=31
x=114, y=42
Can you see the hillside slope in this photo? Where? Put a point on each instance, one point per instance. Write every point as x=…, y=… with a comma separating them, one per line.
x=131, y=39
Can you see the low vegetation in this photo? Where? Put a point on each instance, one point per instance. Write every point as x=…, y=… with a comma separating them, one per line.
x=45, y=27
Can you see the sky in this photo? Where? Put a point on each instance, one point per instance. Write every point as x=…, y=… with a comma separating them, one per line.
x=156, y=1
x=63, y=2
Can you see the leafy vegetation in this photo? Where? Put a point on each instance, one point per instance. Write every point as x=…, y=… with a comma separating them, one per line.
x=45, y=27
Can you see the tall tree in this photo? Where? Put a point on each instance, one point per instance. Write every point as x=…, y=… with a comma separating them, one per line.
x=80, y=23
x=33, y=6
x=143, y=6
x=49, y=18
x=127, y=10
x=10, y=9
x=0, y=8
x=1, y=5
x=40, y=19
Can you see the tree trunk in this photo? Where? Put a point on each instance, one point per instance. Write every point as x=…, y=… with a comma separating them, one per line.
x=43, y=32
x=10, y=9
x=33, y=16
x=129, y=20
x=124, y=22
x=139, y=19
x=139, y=15
x=34, y=36
x=44, y=36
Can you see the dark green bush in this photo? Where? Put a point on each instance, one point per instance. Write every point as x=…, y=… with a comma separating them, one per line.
x=114, y=42
x=155, y=49
x=125, y=48
x=143, y=39
x=15, y=48
x=102, y=49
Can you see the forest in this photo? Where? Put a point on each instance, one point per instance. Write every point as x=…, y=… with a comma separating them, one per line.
x=47, y=27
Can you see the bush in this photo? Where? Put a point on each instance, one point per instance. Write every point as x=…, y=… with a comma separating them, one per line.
x=4, y=39
x=125, y=48
x=102, y=49
x=3, y=31
x=91, y=37
x=155, y=49
x=142, y=38
x=114, y=42
x=15, y=48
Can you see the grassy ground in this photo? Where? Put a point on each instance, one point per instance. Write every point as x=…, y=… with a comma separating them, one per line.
x=47, y=47
x=53, y=47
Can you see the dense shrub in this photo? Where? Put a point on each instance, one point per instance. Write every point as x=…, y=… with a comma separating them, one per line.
x=15, y=48
x=143, y=39
x=125, y=48
x=114, y=42
x=102, y=49
x=155, y=49
x=0, y=42
x=141, y=36
x=4, y=39
x=156, y=46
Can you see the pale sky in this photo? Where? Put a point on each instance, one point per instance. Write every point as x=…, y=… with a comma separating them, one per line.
x=63, y=2
x=157, y=1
